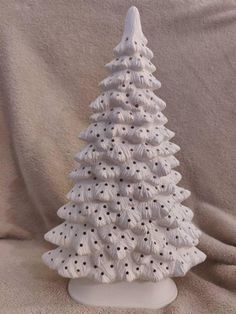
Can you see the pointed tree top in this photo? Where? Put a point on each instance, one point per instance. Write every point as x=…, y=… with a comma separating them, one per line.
x=133, y=28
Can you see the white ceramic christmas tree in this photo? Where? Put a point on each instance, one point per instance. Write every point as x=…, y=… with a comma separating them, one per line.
x=124, y=220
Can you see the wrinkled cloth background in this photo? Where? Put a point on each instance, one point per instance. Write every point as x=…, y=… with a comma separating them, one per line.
x=51, y=60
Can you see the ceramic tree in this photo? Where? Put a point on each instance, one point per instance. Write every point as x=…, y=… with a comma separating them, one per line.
x=124, y=219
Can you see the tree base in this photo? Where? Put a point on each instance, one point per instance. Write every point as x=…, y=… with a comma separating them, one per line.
x=136, y=294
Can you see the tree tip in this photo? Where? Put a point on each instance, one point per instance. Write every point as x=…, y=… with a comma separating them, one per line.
x=133, y=9
x=133, y=23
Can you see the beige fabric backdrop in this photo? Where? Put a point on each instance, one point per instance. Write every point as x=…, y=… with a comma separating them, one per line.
x=51, y=60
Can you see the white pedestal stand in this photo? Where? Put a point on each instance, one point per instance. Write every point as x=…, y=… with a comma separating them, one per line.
x=136, y=294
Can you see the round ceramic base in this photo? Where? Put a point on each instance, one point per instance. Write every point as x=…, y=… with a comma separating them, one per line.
x=136, y=294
